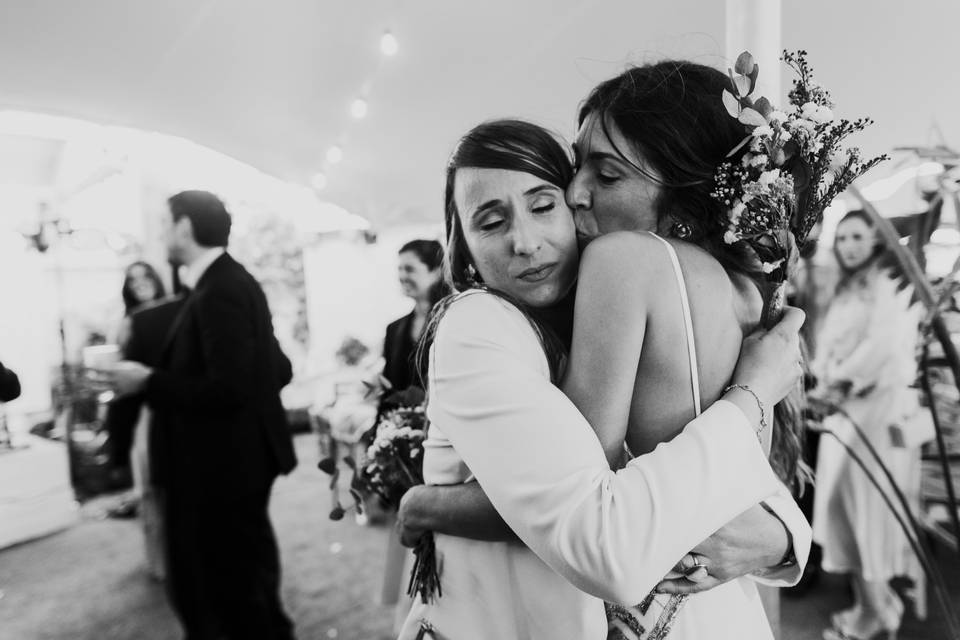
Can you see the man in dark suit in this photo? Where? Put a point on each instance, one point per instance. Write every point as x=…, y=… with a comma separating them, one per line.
x=220, y=434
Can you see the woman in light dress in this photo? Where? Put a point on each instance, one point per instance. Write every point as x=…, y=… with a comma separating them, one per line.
x=866, y=363
x=495, y=417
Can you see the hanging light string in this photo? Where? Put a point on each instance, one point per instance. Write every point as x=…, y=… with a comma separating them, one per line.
x=358, y=109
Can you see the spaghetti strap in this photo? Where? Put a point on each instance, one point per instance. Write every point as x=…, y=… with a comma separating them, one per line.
x=687, y=323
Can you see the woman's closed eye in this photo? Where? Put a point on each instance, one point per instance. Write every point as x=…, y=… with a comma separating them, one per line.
x=544, y=206
x=490, y=223
x=607, y=178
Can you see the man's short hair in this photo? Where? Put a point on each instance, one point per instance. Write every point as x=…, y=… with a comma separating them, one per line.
x=207, y=215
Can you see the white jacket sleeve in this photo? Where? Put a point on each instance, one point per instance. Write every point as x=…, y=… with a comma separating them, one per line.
x=786, y=508
x=614, y=535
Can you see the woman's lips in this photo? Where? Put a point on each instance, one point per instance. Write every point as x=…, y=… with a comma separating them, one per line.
x=537, y=274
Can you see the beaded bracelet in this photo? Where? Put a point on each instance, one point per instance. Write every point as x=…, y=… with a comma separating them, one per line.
x=763, y=411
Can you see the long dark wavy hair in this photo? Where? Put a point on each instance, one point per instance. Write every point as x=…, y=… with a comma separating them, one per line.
x=130, y=301
x=515, y=145
x=673, y=115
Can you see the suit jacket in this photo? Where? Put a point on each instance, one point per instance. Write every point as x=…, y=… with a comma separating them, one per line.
x=398, y=348
x=220, y=426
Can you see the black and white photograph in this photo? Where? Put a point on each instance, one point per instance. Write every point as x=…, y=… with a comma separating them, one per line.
x=532, y=320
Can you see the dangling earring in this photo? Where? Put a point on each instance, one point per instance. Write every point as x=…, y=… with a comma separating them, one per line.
x=681, y=230
x=472, y=276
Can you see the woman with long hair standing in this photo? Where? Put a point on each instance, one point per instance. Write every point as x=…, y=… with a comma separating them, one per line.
x=865, y=365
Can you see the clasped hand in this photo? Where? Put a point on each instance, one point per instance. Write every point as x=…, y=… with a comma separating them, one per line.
x=749, y=544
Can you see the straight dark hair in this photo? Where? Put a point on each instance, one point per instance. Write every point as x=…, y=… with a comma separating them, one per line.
x=207, y=214
x=514, y=145
x=429, y=252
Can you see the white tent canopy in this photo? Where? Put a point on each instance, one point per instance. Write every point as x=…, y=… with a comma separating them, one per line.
x=271, y=83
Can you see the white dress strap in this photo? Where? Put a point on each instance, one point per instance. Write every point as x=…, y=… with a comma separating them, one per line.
x=687, y=323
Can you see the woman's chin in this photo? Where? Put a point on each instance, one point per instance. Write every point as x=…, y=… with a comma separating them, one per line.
x=543, y=296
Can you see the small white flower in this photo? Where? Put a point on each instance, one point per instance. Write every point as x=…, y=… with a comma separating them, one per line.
x=784, y=135
x=730, y=237
x=768, y=177
x=808, y=109
x=414, y=453
x=736, y=211
x=764, y=131
x=759, y=160
x=777, y=116
x=770, y=267
x=745, y=160
x=822, y=115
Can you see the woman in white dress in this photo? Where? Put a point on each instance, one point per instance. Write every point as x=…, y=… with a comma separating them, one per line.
x=496, y=418
x=866, y=364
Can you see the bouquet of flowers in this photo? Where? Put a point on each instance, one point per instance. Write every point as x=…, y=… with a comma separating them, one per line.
x=392, y=464
x=791, y=171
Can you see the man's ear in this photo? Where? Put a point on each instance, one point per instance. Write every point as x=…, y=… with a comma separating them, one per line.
x=183, y=229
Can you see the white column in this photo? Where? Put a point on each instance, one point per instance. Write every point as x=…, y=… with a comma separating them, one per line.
x=754, y=26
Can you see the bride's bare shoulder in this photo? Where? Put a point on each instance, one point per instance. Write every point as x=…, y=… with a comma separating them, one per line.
x=640, y=260
x=622, y=249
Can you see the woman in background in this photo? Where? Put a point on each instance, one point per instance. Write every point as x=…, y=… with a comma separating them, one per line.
x=144, y=298
x=141, y=286
x=419, y=272
x=865, y=365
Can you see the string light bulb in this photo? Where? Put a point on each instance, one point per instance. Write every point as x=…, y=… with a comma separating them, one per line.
x=319, y=181
x=359, y=108
x=334, y=154
x=388, y=44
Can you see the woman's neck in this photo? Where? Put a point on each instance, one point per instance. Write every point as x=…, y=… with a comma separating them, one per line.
x=559, y=317
x=421, y=308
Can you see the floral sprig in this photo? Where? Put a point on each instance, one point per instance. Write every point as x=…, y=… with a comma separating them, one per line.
x=791, y=170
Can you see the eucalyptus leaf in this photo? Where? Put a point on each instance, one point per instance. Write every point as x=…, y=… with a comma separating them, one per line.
x=337, y=513
x=350, y=462
x=731, y=103
x=745, y=64
x=744, y=87
x=752, y=118
x=733, y=83
x=334, y=478
x=753, y=77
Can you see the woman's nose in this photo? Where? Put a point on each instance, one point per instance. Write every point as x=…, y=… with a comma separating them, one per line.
x=577, y=195
x=527, y=239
